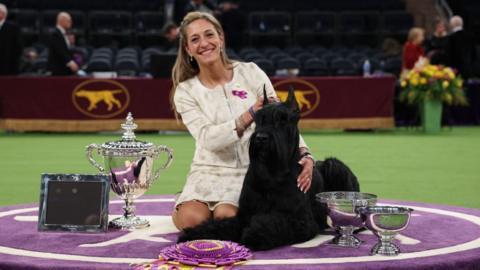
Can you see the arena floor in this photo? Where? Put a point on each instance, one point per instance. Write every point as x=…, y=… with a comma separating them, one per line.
x=403, y=164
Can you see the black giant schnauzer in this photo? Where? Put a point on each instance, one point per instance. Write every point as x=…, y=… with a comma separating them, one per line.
x=272, y=210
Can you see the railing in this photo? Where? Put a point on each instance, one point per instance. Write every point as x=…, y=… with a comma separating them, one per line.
x=443, y=9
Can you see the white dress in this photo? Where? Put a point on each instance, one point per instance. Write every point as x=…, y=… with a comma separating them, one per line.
x=221, y=158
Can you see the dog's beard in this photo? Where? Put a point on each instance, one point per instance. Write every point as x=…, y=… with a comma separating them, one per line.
x=270, y=157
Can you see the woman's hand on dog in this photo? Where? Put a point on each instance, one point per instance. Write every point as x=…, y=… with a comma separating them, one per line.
x=304, y=180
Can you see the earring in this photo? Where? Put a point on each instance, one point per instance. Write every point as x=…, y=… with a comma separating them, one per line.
x=191, y=58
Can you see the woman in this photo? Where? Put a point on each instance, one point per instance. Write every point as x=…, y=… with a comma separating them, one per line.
x=412, y=50
x=437, y=44
x=217, y=100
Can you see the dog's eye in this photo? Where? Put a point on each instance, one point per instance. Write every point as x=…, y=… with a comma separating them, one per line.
x=281, y=117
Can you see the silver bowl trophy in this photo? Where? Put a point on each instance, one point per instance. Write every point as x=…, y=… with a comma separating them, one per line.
x=130, y=164
x=385, y=222
x=343, y=211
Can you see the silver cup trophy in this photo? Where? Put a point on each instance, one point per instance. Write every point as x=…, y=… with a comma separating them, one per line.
x=385, y=222
x=130, y=164
x=343, y=212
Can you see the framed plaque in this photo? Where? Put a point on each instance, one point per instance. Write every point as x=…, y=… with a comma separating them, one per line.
x=74, y=202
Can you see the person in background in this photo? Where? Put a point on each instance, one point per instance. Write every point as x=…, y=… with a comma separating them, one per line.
x=437, y=44
x=10, y=45
x=170, y=33
x=460, y=48
x=60, y=61
x=412, y=49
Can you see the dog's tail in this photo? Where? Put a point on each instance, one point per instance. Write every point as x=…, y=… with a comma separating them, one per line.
x=337, y=176
x=220, y=229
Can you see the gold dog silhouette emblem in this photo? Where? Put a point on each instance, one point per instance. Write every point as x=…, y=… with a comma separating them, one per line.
x=299, y=96
x=94, y=97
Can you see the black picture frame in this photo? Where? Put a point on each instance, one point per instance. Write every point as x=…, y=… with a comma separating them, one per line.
x=74, y=203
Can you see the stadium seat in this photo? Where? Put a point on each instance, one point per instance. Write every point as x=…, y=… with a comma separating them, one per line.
x=269, y=28
x=314, y=67
x=302, y=57
x=148, y=28
x=343, y=67
x=247, y=50
x=393, y=65
x=252, y=56
x=110, y=28
x=278, y=56
x=266, y=65
x=359, y=27
x=232, y=54
x=288, y=63
x=99, y=64
x=314, y=27
x=328, y=57
x=271, y=50
x=127, y=66
x=294, y=50
x=29, y=22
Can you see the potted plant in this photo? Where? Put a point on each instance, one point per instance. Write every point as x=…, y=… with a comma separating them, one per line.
x=429, y=86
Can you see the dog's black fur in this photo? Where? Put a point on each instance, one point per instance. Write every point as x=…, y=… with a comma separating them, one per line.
x=272, y=210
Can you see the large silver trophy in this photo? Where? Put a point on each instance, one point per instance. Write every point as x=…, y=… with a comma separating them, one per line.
x=385, y=222
x=343, y=211
x=130, y=164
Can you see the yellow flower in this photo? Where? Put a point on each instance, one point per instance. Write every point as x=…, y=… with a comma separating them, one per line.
x=448, y=98
x=439, y=74
x=414, y=81
x=459, y=83
x=403, y=83
x=445, y=84
x=423, y=80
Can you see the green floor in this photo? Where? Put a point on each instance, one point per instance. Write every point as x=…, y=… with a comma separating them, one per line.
x=407, y=165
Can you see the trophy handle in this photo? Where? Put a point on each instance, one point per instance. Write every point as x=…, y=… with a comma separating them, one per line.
x=163, y=148
x=90, y=158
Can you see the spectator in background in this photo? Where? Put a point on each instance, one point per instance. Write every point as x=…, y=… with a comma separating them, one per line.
x=170, y=33
x=60, y=61
x=391, y=47
x=412, y=50
x=10, y=45
x=437, y=44
x=460, y=48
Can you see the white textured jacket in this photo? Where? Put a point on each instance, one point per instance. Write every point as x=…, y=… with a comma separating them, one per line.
x=209, y=115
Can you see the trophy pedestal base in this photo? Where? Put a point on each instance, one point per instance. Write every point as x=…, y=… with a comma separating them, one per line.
x=345, y=237
x=349, y=241
x=129, y=223
x=385, y=249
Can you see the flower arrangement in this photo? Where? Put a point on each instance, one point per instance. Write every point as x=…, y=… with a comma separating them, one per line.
x=432, y=82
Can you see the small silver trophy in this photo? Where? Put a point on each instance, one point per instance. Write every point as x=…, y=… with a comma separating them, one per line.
x=385, y=222
x=343, y=211
x=130, y=164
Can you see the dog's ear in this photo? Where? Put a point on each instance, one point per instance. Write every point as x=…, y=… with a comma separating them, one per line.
x=291, y=100
x=265, y=98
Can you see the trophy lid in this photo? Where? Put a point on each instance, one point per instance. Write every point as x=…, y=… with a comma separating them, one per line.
x=128, y=145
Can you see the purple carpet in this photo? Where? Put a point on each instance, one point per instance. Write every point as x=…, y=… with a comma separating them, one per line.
x=439, y=237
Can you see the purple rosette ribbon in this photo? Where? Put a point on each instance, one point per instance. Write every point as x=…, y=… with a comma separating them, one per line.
x=200, y=254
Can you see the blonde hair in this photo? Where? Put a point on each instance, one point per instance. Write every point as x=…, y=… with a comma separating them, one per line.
x=184, y=69
x=414, y=33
